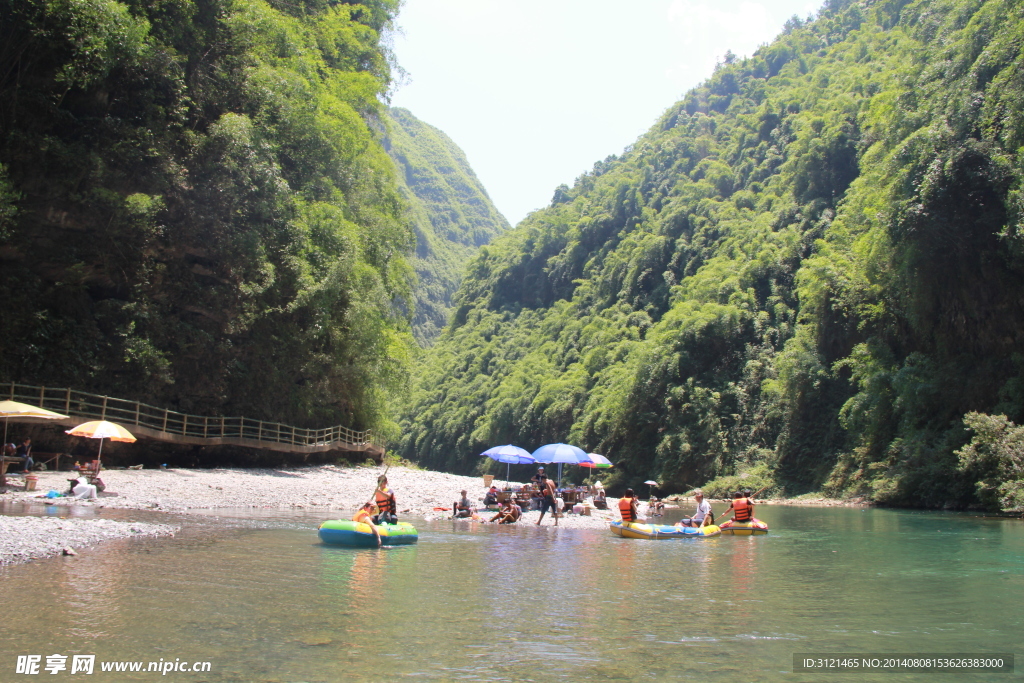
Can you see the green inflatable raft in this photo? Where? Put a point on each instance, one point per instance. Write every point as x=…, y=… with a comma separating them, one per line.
x=360, y=535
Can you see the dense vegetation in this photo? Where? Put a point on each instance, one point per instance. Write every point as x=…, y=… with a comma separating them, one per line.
x=452, y=215
x=196, y=208
x=808, y=271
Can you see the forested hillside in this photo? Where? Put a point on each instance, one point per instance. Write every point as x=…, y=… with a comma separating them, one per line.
x=451, y=214
x=196, y=208
x=806, y=272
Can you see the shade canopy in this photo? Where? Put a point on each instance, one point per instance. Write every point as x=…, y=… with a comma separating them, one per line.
x=509, y=454
x=101, y=429
x=15, y=409
x=651, y=482
x=561, y=453
x=9, y=409
x=597, y=460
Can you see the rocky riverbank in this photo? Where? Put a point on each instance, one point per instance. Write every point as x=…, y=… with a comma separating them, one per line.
x=32, y=538
x=338, y=491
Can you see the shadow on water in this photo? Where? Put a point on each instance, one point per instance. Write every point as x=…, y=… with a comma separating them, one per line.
x=254, y=593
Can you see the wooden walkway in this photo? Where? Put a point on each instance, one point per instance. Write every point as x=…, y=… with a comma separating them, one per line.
x=161, y=424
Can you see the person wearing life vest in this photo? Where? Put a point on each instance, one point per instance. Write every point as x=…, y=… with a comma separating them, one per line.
x=742, y=508
x=364, y=515
x=627, y=507
x=384, y=499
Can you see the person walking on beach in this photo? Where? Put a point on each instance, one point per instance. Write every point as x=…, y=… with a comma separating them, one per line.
x=384, y=498
x=548, y=500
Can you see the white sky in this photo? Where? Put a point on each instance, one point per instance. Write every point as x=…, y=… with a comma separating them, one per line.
x=536, y=91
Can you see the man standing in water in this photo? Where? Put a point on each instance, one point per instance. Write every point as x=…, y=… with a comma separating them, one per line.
x=548, y=500
x=384, y=498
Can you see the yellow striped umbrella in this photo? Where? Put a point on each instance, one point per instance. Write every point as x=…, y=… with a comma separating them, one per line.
x=101, y=429
x=9, y=409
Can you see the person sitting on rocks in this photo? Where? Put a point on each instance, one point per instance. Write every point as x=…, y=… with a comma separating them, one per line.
x=25, y=451
x=491, y=497
x=654, y=507
x=82, y=489
x=509, y=513
x=600, y=499
x=462, y=508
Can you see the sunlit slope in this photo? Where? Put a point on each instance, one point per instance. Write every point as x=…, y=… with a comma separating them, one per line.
x=196, y=209
x=450, y=212
x=809, y=268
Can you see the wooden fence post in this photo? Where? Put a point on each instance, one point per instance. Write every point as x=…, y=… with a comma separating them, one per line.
x=103, y=416
x=67, y=401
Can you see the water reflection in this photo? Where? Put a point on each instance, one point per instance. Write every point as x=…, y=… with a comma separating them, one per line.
x=265, y=600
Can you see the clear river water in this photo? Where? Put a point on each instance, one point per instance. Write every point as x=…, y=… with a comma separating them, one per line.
x=257, y=596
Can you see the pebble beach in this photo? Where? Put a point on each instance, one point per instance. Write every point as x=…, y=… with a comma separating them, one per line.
x=337, y=491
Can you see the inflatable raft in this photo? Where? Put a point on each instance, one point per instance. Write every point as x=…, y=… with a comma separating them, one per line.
x=661, y=532
x=754, y=527
x=360, y=535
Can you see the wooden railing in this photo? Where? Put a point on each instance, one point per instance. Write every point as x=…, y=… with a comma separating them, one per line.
x=160, y=422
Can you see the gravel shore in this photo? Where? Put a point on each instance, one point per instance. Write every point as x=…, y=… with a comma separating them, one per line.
x=338, y=491
x=32, y=538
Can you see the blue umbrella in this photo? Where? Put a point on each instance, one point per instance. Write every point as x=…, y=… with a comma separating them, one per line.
x=561, y=453
x=510, y=455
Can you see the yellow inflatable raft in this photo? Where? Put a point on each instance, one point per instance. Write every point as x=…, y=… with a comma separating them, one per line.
x=661, y=532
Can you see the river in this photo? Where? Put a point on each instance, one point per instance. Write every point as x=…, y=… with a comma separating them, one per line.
x=261, y=599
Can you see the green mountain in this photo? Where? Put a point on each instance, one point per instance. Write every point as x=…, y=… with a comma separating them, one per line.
x=196, y=208
x=450, y=211
x=804, y=274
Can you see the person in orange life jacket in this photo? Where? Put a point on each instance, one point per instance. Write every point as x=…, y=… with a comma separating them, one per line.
x=703, y=516
x=461, y=508
x=627, y=507
x=548, y=500
x=742, y=508
x=384, y=498
x=364, y=515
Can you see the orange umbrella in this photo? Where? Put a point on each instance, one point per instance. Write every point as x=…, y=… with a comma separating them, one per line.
x=101, y=429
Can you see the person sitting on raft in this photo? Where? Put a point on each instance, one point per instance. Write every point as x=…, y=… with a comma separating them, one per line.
x=364, y=515
x=742, y=508
x=462, y=508
x=384, y=498
x=627, y=507
x=703, y=516
x=509, y=513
